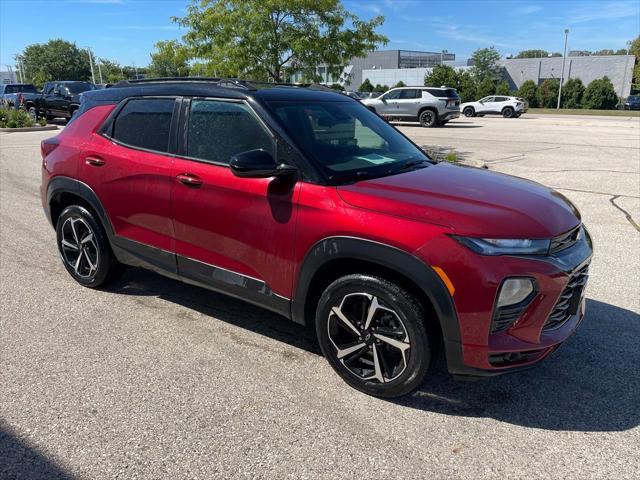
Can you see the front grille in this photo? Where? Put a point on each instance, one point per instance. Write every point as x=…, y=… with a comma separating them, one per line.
x=565, y=240
x=569, y=301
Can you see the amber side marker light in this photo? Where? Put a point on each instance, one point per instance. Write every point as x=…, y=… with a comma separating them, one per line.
x=447, y=281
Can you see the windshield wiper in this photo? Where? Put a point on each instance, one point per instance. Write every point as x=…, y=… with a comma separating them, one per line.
x=411, y=164
x=351, y=176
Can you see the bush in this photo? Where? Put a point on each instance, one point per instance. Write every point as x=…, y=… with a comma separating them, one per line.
x=381, y=88
x=503, y=88
x=572, y=93
x=399, y=84
x=366, y=86
x=600, y=95
x=336, y=86
x=548, y=93
x=14, y=118
x=529, y=91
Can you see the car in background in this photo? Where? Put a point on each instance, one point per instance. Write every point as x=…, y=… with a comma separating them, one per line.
x=431, y=106
x=16, y=95
x=61, y=98
x=508, y=107
x=631, y=103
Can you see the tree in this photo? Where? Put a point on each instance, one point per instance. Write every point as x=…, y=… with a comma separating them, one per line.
x=260, y=38
x=535, y=53
x=621, y=51
x=170, y=59
x=112, y=72
x=55, y=60
x=466, y=87
x=634, y=49
x=485, y=64
x=336, y=86
x=572, y=93
x=503, y=88
x=381, y=88
x=486, y=87
x=399, y=84
x=529, y=91
x=600, y=95
x=441, y=75
x=548, y=93
x=366, y=86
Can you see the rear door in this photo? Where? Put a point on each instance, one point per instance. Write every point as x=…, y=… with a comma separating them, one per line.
x=232, y=234
x=129, y=169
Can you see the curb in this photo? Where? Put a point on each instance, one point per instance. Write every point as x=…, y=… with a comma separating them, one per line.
x=29, y=129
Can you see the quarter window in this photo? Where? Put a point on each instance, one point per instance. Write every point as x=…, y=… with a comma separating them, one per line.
x=145, y=123
x=219, y=130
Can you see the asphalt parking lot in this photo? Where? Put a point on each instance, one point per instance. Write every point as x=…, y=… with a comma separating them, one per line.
x=155, y=379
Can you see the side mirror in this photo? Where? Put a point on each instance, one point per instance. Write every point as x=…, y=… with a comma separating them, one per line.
x=258, y=164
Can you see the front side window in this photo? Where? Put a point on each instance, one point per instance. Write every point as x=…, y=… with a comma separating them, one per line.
x=347, y=140
x=392, y=95
x=145, y=123
x=487, y=100
x=218, y=130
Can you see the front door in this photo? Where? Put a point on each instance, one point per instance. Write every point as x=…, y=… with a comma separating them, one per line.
x=389, y=103
x=232, y=234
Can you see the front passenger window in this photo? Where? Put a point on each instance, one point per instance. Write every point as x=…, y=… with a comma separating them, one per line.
x=218, y=130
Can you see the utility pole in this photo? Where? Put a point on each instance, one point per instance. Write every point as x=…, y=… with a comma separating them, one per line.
x=564, y=58
x=98, y=62
x=93, y=77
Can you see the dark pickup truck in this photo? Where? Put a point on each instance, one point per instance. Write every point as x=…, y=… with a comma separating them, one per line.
x=16, y=95
x=61, y=98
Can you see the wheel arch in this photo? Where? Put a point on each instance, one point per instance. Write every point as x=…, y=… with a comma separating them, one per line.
x=428, y=107
x=334, y=257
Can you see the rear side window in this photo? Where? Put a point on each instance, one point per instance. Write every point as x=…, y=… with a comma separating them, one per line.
x=219, y=130
x=145, y=123
x=410, y=94
x=443, y=93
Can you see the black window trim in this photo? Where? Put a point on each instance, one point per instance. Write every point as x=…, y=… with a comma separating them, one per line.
x=184, y=125
x=106, y=130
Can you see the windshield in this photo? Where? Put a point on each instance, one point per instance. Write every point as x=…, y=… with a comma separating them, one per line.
x=634, y=98
x=80, y=87
x=347, y=140
x=20, y=88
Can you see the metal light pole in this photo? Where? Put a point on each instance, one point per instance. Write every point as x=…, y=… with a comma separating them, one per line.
x=98, y=62
x=564, y=57
x=93, y=77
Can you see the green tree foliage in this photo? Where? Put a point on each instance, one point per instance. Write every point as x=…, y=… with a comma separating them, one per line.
x=260, y=38
x=572, y=92
x=634, y=49
x=486, y=87
x=467, y=89
x=600, y=95
x=381, y=88
x=55, y=60
x=112, y=72
x=169, y=59
x=366, y=86
x=441, y=75
x=336, y=86
x=534, y=53
x=548, y=93
x=529, y=91
x=399, y=84
x=485, y=64
x=503, y=88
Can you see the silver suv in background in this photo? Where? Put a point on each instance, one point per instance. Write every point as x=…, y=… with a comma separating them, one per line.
x=508, y=107
x=428, y=105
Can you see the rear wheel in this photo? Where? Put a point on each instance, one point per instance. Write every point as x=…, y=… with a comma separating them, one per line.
x=372, y=332
x=469, y=112
x=428, y=118
x=84, y=248
x=508, y=112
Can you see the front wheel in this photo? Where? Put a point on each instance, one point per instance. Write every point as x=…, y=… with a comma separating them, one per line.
x=373, y=334
x=84, y=248
x=428, y=118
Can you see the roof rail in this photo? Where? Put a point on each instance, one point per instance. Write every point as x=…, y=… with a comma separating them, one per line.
x=223, y=82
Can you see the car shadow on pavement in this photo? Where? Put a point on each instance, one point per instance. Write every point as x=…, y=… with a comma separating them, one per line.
x=448, y=125
x=18, y=461
x=590, y=384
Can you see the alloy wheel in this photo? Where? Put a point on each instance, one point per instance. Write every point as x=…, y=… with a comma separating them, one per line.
x=79, y=247
x=370, y=340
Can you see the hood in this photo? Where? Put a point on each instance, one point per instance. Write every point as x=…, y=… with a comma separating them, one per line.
x=75, y=98
x=470, y=201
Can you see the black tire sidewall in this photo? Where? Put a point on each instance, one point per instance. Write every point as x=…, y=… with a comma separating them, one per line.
x=105, y=260
x=468, y=112
x=508, y=112
x=434, y=118
x=409, y=311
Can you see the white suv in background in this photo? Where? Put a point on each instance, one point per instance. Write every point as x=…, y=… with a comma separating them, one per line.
x=508, y=107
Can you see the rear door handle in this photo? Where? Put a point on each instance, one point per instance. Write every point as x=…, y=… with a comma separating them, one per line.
x=190, y=180
x=94, y=161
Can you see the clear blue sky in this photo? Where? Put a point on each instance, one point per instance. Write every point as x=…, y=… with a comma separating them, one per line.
x=125, y=30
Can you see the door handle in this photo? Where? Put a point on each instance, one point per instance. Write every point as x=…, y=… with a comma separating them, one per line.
x=94, y=161
x=190, y=180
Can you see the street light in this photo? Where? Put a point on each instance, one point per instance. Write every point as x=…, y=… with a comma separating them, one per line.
x=93, y=77
x=564, y=57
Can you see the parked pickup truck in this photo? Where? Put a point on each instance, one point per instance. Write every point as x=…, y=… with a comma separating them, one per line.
x=17, y=95
x=61, y=98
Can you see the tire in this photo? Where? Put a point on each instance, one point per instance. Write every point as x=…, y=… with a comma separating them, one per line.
x=33, y=113
x=50, y=117
x=395, y=351
x=469, y=112
x=508, y=112
x=428, y=118
x=84, y=248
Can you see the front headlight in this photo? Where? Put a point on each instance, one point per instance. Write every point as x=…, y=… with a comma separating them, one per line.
x=506, y=246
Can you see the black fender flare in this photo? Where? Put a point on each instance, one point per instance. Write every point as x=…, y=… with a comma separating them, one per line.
x=61, y=184
x=393, y=258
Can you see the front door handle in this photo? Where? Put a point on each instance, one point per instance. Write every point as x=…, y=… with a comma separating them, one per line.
x=190, y=180
x=94, y=161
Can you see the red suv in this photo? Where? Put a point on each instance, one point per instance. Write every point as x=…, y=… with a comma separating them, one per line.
x=308, y=204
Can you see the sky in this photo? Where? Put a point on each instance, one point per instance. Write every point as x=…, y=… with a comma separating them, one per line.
x=126, y=30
